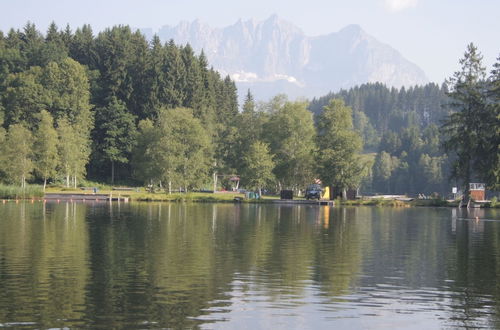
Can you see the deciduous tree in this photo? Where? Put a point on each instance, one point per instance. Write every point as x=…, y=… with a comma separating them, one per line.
x=259, y=166
x=339, y=147
x=45, y=148
x=17, y=157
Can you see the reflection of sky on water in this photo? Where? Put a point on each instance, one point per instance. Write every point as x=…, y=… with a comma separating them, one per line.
x=376, y=307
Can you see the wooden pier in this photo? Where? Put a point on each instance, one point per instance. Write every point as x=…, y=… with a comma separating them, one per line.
x=303, y=202
x=85, y=197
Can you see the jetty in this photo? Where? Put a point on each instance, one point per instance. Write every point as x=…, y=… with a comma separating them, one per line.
x=84, y=197
x=300, y=201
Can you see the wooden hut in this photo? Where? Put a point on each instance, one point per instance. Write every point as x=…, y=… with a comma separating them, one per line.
x=477, y=191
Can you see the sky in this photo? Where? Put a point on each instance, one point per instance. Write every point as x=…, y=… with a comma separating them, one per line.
x=431, y=33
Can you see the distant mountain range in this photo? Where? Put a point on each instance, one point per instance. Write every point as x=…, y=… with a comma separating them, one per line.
x=274, y=56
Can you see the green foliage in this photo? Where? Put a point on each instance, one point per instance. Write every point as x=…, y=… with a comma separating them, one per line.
x=259, y=166
x=74, y=151
x=16, y=159
x=389, y=108
x=16, y=192
x=489, y=159
x=121, y=76
x=45, y=148
x=339, y=147
x=145, y=162
x=115, y=82
x=175, y=150
x=464, y=128
x=248, y=130
x=115, y=133
x=290, y=133
x=382, y=171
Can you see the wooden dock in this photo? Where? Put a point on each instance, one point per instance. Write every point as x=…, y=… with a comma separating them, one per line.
x=85, y=197
x=303, y=202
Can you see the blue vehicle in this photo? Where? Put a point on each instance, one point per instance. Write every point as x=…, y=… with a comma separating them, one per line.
x=313, y=191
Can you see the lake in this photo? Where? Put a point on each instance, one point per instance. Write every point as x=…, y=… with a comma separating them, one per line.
x=247, y=266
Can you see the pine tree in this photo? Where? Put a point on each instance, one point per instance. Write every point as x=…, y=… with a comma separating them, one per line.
x=489, y=153
x=115, y=133
x=464, y=126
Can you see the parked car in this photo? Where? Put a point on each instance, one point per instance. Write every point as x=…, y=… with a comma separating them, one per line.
x=313, y=191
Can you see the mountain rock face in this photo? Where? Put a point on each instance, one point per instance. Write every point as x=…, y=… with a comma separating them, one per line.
x=274, y=56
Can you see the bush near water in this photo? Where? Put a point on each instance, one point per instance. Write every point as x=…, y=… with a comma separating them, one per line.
x=16, y=192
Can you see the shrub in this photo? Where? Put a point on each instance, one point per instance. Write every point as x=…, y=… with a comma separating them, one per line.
x=15, y=192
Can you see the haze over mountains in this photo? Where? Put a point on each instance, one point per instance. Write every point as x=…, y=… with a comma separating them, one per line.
x=274, y=56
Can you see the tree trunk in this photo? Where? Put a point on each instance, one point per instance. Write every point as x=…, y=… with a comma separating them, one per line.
x=169, y=187
x=44, y=183
x=67, y=180
x=112, y=172
x=215, y=181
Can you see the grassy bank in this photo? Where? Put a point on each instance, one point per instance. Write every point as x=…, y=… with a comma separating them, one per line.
x=398, y=203
x=141, y=195
x=16, y=192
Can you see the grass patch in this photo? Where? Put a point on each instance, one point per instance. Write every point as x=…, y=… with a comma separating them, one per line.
x=376, y=202
x=494, y=203
x=15, y=192
x=432, y=202
x=140, y=194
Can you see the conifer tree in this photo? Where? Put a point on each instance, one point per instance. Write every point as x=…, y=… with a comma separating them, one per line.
x=464, y=127
x=489, y=161
x=115, y=133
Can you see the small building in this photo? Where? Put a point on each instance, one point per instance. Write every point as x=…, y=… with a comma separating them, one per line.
x=337, y=193
x=477, y=191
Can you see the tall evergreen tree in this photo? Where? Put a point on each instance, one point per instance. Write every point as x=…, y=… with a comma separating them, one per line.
x=115, y=133
x=464, y=126
x=489, y=160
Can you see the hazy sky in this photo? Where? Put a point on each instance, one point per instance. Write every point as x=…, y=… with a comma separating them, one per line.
x=431, y=33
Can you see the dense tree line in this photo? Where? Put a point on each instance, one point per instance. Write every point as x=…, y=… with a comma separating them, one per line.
x=424, y=136
x=472, y=131
x=93, y=91
x=113, y=105
x=400, y=129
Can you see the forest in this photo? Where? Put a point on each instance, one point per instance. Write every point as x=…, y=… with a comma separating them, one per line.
x=115, y=107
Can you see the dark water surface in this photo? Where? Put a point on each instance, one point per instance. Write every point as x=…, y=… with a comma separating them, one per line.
x=247, y=266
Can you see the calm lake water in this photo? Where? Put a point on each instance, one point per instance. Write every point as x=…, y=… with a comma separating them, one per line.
x=247, y=266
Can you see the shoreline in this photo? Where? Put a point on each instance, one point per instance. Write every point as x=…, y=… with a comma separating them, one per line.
x=235, y=199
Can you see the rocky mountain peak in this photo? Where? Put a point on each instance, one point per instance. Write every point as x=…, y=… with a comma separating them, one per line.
x=274, y=56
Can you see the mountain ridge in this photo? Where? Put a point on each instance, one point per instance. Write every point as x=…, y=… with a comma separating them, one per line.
x=275, y=56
